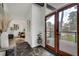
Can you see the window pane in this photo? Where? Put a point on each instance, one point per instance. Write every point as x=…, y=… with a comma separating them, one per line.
x=50, y=31
x=69, y=22
x=68, y=30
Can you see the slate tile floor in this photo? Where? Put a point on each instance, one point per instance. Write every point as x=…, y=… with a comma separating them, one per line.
x=39, y=51
x=24, y=49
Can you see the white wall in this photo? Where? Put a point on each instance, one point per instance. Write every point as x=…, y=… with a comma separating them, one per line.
x=43, y=25
x=20, y=23
x=37, y=23
x=28, y=32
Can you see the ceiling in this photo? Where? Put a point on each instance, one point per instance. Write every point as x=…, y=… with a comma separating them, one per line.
x=23, y=9
x=55, y=5
x=18, y=9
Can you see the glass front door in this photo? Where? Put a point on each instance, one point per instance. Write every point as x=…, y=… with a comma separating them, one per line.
x=62, y=31
x=50, y=21
x=68, y=30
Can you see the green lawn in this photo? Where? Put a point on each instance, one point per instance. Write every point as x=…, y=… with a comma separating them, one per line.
x=71, y=38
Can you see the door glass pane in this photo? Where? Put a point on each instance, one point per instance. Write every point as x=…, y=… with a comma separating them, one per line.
x=68, y=30
x=50, y=31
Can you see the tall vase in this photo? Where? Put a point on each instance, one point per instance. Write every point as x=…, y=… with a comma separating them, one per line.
x=4, y=40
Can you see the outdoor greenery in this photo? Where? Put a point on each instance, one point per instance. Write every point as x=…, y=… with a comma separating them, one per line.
x=68, y=37
x=70, y=27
